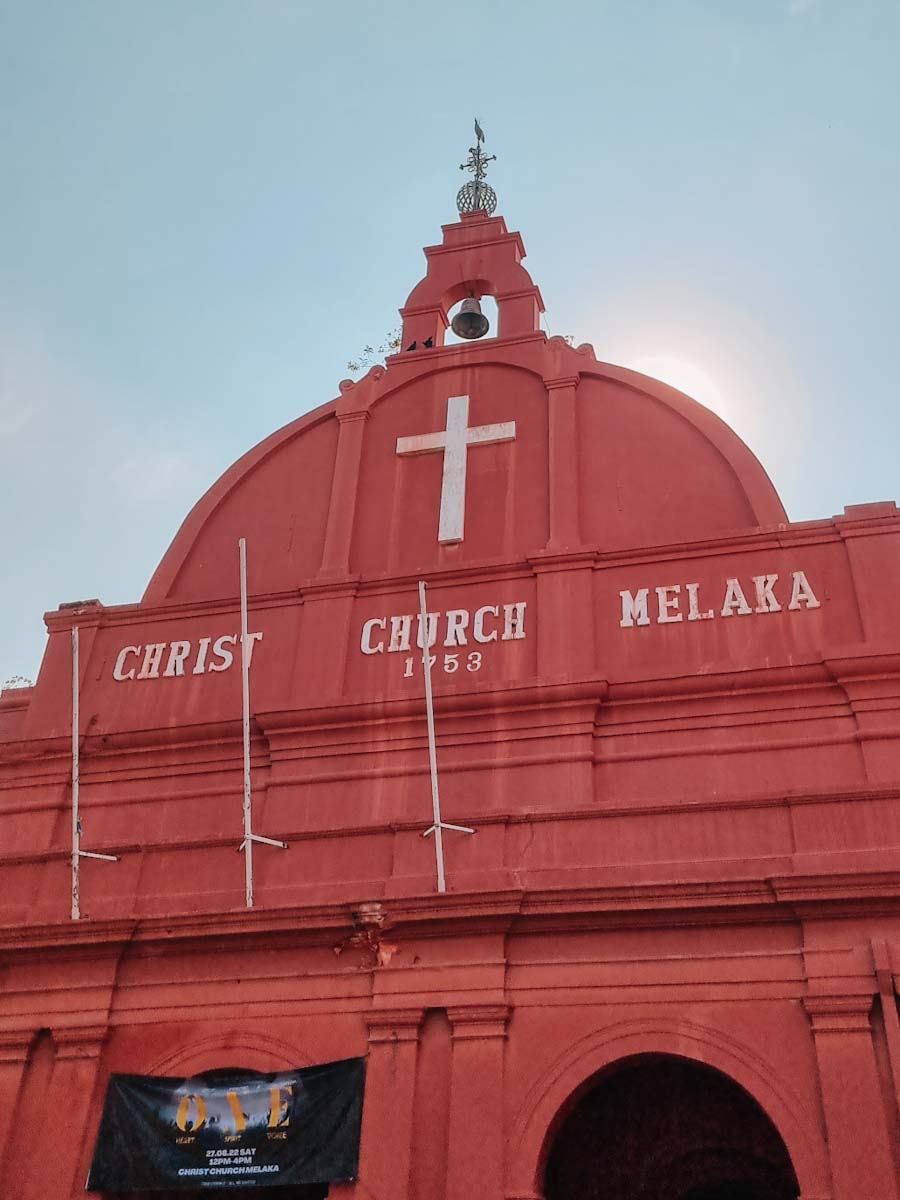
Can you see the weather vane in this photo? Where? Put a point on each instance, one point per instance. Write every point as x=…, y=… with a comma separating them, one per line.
x=476, y=195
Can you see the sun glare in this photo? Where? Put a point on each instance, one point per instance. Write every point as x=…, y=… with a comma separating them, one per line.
x=687, y=377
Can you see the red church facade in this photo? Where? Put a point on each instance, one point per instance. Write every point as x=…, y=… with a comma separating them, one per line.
x=665, y=962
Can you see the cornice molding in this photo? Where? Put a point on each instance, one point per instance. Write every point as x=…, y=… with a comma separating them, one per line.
x=81, y=1041
x=839, y=1014
x=393, y=1025
x=477, y=1022
x=641, y=903
x=15, y=1044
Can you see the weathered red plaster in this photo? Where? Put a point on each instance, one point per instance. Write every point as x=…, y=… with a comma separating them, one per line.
x=687, y=831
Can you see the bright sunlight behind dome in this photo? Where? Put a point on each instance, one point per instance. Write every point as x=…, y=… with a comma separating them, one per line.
x=687, y=377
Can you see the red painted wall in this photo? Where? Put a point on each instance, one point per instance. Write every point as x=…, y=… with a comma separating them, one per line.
x=687, y=829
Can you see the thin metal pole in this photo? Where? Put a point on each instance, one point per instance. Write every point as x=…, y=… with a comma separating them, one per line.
x=77, y=853
x=437, y=827
x=249, y=836
x=76, y=823
x=245, y=698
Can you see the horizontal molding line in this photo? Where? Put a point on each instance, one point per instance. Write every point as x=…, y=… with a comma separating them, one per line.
x=530, y=999
x=272, y=784
x=263, y=763
x=113, y=617
x=451, y=739
x=200, y=740
x=655, y=724
x=224, y=1010
x=292, y=992
x=447, y=769
x=596, y=810
x=515, y=964
x=682, y=751
x=325, y=978
x=732, y=993
x=62, y=985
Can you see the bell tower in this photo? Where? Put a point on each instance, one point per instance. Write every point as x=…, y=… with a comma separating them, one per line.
x=477, y=257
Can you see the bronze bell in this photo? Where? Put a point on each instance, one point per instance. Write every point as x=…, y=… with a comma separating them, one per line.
x=470, y=322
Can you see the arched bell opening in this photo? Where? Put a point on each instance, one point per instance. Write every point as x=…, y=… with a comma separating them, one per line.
x=659, y=1127
x=478, y=257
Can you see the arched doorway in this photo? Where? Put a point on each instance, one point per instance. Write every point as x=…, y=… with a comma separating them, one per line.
x=658, y=1127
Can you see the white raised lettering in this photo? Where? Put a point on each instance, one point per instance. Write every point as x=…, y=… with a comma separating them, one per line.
x=220, y=649
x=802, y=593
x=457, y=623
x=400, y=631
x=118, y=670
x=634, y=608
x=178, y=652
x=252, y=639
x=478, y=623
x=152, y=658
x=202, y=651
x=513, y=621
x=765, y=597
x=432, y=630
x=668, y=604
x=365, y=643
x=694, y=613
x=735, y=600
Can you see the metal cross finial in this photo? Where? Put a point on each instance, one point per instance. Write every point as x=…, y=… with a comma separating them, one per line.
x=477, y=161
x=477, y=195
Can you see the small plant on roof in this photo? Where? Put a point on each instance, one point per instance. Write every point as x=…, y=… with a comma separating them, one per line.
x=373, y=356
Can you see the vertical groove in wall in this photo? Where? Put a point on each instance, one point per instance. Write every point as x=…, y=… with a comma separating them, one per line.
x=28, y=1126
x=886, y=1080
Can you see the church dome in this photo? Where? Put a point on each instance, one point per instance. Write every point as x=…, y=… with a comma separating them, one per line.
x=598, y=457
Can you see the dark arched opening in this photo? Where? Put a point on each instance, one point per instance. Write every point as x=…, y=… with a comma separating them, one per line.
x=666, y=1128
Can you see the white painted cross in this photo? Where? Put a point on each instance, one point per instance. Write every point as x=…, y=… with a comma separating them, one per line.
x=455, y=441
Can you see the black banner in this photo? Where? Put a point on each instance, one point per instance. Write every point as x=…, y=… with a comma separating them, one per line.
x=230, y=1129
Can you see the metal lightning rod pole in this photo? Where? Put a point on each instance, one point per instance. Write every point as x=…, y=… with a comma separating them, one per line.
x=76, y=823
x=245, y=711
x=77, y=853
x=249, y=836
x=438, y=826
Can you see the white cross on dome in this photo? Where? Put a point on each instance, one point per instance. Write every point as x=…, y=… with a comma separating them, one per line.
x=455, y=441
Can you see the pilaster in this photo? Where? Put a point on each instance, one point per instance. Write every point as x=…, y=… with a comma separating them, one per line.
x=565, y=597
x=884, y=978
x=14, y=1047
x=344, y=485
x=65, y=1126
x=475, y=1153
x=858, y=1139
x=563, y=451
x=387, y=1127
x=871, y=533
x=325, y=636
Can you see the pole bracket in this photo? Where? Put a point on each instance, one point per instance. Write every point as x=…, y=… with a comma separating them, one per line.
x=266, y=841
x=446, y=825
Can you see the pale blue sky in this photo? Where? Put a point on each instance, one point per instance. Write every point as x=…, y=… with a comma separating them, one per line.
x=208, y=206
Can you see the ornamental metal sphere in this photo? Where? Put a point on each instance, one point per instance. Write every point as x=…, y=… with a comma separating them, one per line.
x=476, y=196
